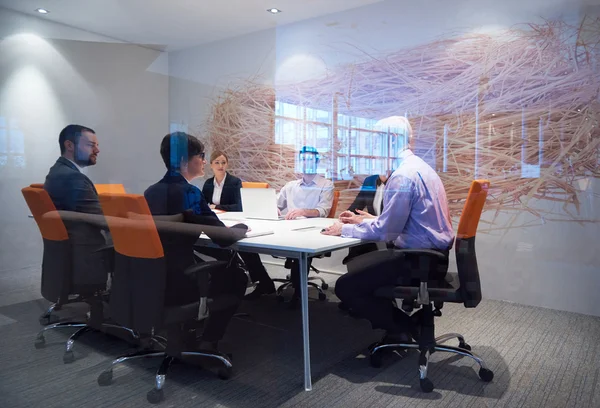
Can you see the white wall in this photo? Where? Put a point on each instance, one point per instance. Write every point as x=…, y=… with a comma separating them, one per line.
x=50, y=76
x=553, y=265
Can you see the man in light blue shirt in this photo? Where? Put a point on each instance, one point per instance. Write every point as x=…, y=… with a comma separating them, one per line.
x=309, y=197
x=312, y=195
x=415, y=215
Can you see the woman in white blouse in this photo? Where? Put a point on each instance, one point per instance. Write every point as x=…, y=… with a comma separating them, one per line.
x=222, y=192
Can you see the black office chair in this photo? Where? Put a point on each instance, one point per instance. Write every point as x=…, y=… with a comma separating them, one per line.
x=322, y=286
x=61, y=280
x=138, y=291
x=54, y=288
x=462, y=287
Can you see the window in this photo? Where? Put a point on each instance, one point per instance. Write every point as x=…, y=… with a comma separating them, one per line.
x=12, y=144
x=300, y=126
x=363, y=150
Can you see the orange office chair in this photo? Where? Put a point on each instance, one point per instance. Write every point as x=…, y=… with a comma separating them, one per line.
x=110, y=188
x=56, y=266
x=462, y=287
x=253, y=184
x=334, y=204
x=62, y=281
x=138, y=292
x=100, y=188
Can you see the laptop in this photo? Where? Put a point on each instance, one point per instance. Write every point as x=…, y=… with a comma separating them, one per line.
x=260, y=203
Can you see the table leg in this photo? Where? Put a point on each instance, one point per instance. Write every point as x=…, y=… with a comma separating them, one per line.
x=303, y=269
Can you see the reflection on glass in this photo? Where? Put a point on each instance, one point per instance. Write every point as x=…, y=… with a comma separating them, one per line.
x=359, y=148
x=12, y=144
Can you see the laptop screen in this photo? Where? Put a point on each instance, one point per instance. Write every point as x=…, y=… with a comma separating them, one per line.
x=259, y=203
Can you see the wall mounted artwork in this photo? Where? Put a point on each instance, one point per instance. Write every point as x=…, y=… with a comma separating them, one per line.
x=519, y=107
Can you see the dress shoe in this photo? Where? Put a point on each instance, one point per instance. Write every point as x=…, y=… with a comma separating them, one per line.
x=261, y=289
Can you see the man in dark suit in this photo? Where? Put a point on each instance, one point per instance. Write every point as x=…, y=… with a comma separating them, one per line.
x=183, y=156
x=71, y=190
x=366, y=195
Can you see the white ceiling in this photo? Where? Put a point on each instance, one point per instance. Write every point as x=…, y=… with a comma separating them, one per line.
x=177, y=24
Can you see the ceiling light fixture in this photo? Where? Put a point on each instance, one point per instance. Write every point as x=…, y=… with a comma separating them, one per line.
x=42, y=11
x=274, y=11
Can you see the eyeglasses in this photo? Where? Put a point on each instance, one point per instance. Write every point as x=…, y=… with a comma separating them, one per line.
x=202, y=155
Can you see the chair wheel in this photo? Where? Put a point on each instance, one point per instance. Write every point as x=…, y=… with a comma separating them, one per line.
x=464, y=346
x=324, y=286
x=486, y=375
x=105, y=378
x=280, y=298
x=376, y=360
x=225, y=373
x=68, y=357
x=322, y=296
x=426, y=385
x=40, y=342
x=155, y=396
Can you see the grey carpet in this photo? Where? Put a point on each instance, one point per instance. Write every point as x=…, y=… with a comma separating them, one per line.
x=541, y=358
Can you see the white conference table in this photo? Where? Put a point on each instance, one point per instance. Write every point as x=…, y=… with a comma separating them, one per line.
x=300, y=239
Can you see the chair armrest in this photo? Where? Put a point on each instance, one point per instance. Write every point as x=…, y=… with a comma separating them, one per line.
x=108, y=257
x=202, y=273
x=428, y=260
x=106, y=248
x=429, y=252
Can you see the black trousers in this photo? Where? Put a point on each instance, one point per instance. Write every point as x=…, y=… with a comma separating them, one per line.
x=231, y=283
x=228, y=284
x=254, y=265
x=367, y=273
x=294, y=266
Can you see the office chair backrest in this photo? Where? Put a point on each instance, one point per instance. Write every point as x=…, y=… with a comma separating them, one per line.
x=37, y=185
x=56, y=259
x=110, y=188
x=334, y=204
x=466, y=259
x=139, y=279
x=252, y=184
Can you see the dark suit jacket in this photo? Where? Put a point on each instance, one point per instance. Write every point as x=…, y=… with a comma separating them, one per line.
x=170, y=196
x=365, y=197
x=71, y=190
x=231, y=198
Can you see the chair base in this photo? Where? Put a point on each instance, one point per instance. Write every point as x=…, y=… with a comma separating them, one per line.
x=156, y=394
x=286, y=283
x=48, y=317
x=83, y=328
x=376, y=350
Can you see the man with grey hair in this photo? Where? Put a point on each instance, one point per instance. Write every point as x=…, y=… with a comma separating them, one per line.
x=415, y=216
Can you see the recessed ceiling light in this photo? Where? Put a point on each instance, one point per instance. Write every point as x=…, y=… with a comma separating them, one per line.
x=274, y=10
x=42, y=11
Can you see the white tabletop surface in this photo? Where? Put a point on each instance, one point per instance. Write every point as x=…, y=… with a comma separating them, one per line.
x=289, y=235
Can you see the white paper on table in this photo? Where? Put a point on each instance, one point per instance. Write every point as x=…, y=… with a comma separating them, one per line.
x=253, y=232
